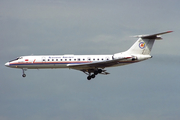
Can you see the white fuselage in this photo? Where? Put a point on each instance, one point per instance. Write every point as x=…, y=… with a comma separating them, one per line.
x=55, y=61
x=62, y=61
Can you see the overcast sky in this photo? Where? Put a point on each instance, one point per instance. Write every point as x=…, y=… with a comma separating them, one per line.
x=142, y=91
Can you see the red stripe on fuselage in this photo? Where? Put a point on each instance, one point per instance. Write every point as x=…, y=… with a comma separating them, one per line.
x=34, y=63
x=34, y=60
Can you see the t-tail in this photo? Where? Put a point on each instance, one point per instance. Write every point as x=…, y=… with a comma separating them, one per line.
x=141, y=49
x=144, y=44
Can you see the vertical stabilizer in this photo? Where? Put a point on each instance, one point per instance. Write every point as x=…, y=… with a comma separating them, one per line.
x=144, y=44
x=141, y=46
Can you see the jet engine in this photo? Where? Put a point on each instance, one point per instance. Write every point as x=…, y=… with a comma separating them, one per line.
x=118, y=56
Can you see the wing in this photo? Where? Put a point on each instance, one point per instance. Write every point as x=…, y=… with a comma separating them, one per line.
x=91, y=67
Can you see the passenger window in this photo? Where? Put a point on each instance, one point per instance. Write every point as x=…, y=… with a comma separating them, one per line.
x=56, y=59
x=43, y=59
x=61, y=59
x=79, y=59
x=83, y=59
x=69, y=59
x=48, y=59
x=74, y=59
x=102, y=58
x=93, y=59
x=65, y=59
x=98, y=59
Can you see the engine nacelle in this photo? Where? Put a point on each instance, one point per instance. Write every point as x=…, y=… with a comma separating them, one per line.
x=134, y=58
x=118, y=56
x=143, y=57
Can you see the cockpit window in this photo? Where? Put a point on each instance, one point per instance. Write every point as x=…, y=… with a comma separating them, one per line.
x=20, y=57
x=16, y=59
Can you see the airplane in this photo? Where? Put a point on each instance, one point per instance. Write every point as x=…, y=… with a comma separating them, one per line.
x=91, y=65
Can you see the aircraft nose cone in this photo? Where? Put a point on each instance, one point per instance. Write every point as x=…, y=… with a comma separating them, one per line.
x=7, y=64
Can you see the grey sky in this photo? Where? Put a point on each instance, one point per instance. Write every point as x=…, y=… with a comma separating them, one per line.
x=147, y=90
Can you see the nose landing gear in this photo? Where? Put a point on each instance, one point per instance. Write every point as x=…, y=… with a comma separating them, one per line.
x=23, y=75
x=23, y=70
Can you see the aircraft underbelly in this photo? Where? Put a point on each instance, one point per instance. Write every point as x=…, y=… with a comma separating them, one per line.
x=40, y=66
x=44, y=66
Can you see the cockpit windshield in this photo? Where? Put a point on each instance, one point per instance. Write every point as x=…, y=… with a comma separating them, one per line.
x=16, y=59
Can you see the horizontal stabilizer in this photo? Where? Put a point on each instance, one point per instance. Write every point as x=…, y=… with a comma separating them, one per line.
x=153, y=36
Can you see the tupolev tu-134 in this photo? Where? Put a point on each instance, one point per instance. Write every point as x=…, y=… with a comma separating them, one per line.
x=91, y=65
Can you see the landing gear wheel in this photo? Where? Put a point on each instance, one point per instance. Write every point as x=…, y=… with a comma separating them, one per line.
x=99, y=71
x=89, y=77
x=24, y=75
x=23, y=71
x=93, y=76
x=96, y=72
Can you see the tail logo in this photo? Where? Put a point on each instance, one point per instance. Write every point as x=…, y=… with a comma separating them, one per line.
x=142, y=45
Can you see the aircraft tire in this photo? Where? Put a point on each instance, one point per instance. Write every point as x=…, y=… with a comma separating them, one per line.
x=96, y=72
x=89, y=77
x=99, y=70
x=24, y=75
x=93, y=76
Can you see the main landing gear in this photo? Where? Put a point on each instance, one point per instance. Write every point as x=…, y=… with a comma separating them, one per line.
x=23, y=70
x=93, y=75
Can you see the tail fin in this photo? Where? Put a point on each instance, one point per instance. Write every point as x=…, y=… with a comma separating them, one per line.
x=145, y=43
